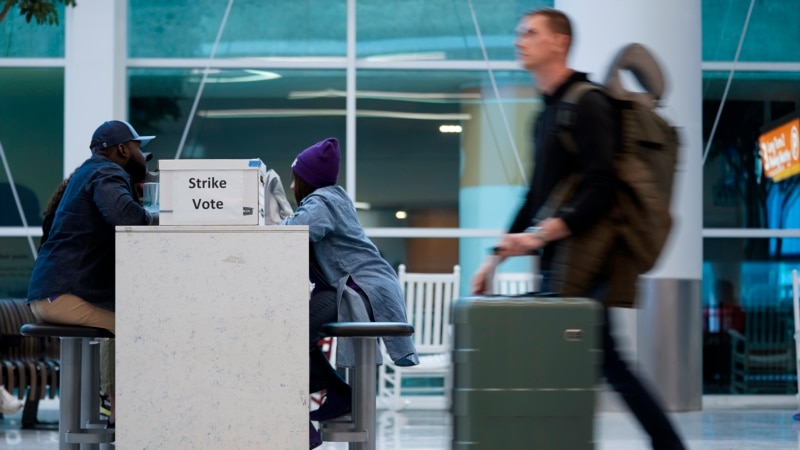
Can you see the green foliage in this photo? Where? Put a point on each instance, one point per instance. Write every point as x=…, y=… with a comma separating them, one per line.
x=44, y=11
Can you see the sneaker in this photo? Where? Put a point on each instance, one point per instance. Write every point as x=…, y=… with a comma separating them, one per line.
x=105, y=404
x=8, y=403
x=314, y=439
x=337, y=404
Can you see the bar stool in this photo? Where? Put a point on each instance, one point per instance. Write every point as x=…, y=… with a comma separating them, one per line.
x=79, y=384
x=359, y=430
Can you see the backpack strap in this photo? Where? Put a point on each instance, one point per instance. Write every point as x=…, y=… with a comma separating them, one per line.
x=565, y=121
x=566, y=115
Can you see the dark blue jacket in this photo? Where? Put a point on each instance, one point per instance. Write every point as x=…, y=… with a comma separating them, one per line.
x=78, y=256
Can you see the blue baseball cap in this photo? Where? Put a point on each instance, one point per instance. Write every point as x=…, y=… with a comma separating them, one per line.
x=115, y=132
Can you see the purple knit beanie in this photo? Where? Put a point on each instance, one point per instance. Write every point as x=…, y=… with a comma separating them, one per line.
x=318, y=165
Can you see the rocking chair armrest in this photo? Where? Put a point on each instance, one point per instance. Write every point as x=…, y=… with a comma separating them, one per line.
x=738, y=341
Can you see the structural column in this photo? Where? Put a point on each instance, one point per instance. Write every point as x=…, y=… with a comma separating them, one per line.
x=492, y=184
x=668, y=323
x=95, y=80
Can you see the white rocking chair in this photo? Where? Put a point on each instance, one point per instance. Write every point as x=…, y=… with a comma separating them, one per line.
x=429, y=298
x=514, y=283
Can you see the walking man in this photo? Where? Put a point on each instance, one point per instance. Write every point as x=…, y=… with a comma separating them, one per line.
x=571, y=194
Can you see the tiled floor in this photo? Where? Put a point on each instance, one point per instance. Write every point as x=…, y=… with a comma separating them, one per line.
x=726, y=422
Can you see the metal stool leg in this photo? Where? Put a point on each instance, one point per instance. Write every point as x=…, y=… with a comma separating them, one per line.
x=79, y=408
x=360, y=431
x=69, y=390
x=90, y=389
x=90, y=404
x=364, y=382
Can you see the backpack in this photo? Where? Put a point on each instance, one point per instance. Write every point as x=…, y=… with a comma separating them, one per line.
x=645, y=162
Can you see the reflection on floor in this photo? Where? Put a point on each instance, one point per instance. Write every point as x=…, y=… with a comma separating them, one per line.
x=726, y=422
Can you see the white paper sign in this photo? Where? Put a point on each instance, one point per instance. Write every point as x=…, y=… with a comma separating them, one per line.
x=209, y=197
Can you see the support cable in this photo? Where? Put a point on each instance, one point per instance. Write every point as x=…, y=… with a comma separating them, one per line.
x=16, y=200
x=497, y=94
x=203, y=80
x=730, y=79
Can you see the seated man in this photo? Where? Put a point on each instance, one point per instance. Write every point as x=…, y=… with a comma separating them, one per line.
x=73, y=277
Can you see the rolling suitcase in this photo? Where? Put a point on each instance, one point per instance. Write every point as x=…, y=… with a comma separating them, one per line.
x=525, y=372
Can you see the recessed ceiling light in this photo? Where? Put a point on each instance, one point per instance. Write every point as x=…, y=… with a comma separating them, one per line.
x=401, y=215
x=450, y=128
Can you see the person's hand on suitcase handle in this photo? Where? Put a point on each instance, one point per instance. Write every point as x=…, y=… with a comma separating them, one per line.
x=517, y=244
x=533, y=239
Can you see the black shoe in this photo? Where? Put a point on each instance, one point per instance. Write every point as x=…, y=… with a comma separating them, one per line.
x=314, y=439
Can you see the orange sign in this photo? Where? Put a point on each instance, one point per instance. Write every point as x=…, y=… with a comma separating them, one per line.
x=780, y=150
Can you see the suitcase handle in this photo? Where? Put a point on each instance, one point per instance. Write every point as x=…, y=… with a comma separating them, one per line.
x=494, y=263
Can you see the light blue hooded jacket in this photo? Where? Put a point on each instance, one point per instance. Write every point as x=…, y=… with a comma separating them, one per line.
x=344, y=251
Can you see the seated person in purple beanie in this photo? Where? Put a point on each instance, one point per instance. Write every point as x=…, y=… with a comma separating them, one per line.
x=352, y=282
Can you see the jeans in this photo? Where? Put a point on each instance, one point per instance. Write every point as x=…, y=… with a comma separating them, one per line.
x=323, y=309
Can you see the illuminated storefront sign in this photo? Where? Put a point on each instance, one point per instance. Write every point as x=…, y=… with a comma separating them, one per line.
x=779, y=148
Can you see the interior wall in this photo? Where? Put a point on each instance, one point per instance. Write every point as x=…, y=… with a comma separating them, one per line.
x=432, y=255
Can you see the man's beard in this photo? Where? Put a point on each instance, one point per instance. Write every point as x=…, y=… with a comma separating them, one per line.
x=137, y=171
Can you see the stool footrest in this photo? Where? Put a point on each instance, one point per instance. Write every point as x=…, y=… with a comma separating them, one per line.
x=96, y=436
x=344, y=436
x=338, y=425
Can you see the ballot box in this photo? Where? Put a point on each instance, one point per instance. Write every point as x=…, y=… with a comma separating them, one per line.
x=211, y=192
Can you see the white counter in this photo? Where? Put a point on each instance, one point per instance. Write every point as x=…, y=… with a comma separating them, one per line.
x=212, y=337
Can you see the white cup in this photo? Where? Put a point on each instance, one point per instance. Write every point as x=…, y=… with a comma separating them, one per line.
x=150, y=197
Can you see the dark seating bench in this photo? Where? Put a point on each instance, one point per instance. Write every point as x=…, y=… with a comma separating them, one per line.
x=79, y=384
x=359, y=430
x=29, y=366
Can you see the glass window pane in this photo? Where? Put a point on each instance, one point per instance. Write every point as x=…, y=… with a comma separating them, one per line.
x=747, y=304
x=16, y=263
x=405, y=161
x=20, y=39
x=426, y=255
x=439, y=29
x=188, y=28
x=242, y=114
x=773, y=33
x=31, y=133
x=736, y=193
